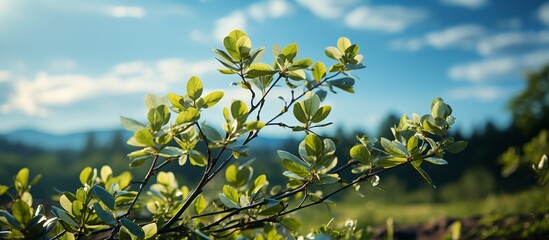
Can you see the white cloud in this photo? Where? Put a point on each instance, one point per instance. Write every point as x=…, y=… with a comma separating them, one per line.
x=490, y=69
x=224, y=25
x=458, y=36
x=482, y=70
x=270, y=9
x=471, y=4
x=4, y=75
x=34, y=96
x=326, y=8
x=390, y=19
x=493, y=44
x=543, y=13
x=126, y=12
x=482, y=93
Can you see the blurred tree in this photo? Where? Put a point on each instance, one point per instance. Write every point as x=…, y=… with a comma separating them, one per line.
x=530, y=108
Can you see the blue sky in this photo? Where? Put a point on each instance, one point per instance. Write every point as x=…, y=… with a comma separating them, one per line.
x=77, y=65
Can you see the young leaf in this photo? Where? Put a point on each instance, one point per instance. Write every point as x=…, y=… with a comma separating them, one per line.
x=299, y=112
x=199, y=204
x=197, y=158
x=333, y=53
x=104, y=215
x=319, y=71
x=394, y=148
x=130, y=124
x=64, y=216
x=22, y=179
x=231, y=193
x=456, y=147
x=260, y=69
x=258, y=183
x=291, y=224
x=227, y=202
x=104, y=196
x=21, y=211
x=437, y=161
x=283, y=155
x=343, y=43
x=360, y=153
x=133, y=228
x=145, y=137
x=387, y=162
x=194, y=88
x=321, y=114
x=86, y=175
x=298, y=169
x=314, y=145
x=213, y=98
x=290, y=51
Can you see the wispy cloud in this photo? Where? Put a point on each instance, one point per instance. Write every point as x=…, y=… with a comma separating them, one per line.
x=482, y=70
x=543, y=13
x=457, y=36
x=4, y=75
x=490, y=69
x=126, y=12
x=34, y=96
x=470, y=4
x=391, y=19
x=506, y=41
x=328, y=9
x=482, y=93
x=270, y=9
x=224, y=25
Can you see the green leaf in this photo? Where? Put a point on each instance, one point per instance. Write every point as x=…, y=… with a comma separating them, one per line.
x=360, y=153
x=227, y=202
x=199, y=204
x=260, y=69
x=333, y=53
x=197, y=158
x=194, y=88
x=22, y=179
x=258, y=183
x=211, y=133
x=345, y=84
x=105, y=216
x=64, y=216
x=424, y=175
x=244, y=45
x=155, y=119
x=231, y=193
x=254, y=125
x=437, y=161
x=343, y=43
x=239, y=111
x=291, y=224
x=65, y=203
x=213, y=98
x=298, y=169
x=130, y=124
x=132, y=227
x=150, y=230
x=86, y=175
x=327, y=178
x=145, y=137
x=413, y=144
x=290, y=51
x=319, y=71
x=138, y=161
x=223, y=56
x=283, y=155
x=299, y=112
x=170, y=152
x=297, y=74
x=394, y=148
x=321, y=114
x=311, y=104
x=301, y=64
x=271, y=210
x=351, y=52
x=21, y=211
x=10, y=219
x=104, y=196
x=456, y=147
x=314, y=145
x=387, y=162
x=188, y=115
x=3, y=189
x=77, y=208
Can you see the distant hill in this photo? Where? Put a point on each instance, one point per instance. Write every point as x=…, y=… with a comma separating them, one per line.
x=77, y=140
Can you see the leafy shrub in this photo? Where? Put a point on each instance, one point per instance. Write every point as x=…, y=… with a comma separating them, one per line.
x=246, y=206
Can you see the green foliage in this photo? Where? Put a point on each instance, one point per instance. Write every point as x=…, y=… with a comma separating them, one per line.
x=246, y=206
x=533, y=154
